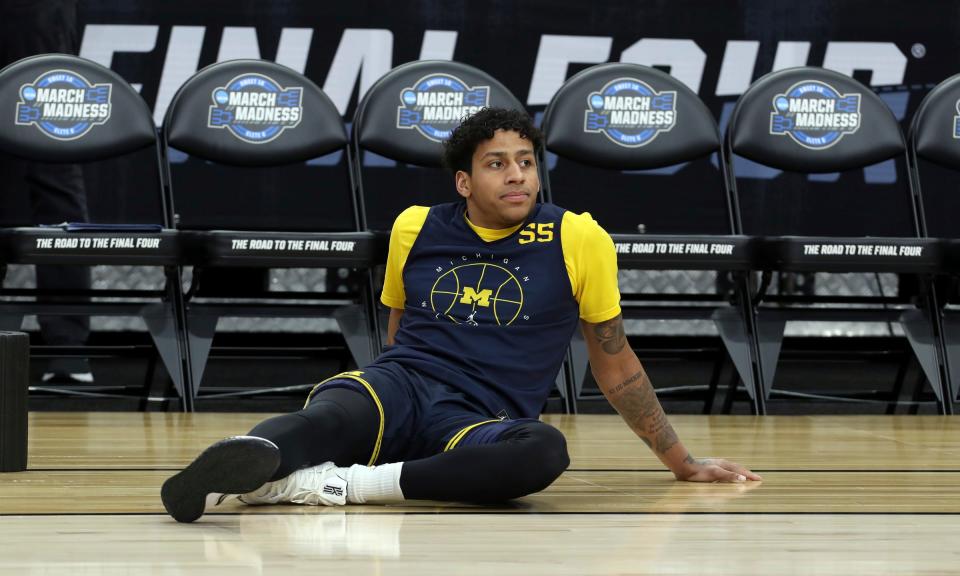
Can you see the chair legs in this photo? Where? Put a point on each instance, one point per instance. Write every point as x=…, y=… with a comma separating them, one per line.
x=947, y=325
x=924, y=342
x=165, y=331
x=740, y=335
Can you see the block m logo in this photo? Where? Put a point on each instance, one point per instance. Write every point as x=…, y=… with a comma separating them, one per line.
x=471, y=296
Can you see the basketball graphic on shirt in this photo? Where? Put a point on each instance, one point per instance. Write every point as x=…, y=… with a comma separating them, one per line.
x=477, y=293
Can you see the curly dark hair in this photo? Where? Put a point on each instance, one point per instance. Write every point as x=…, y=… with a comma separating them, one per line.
x=458, y=150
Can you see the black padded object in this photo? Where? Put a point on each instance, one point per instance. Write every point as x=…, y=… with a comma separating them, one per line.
x=877, y=136
x=196, y=123
x=577, y=129
x=283, y=249
x=52, y=246
x=935, y=129
x=833, y=254
x=113, y=119
x=684, y=252
x=382, y=111
x=14, y=381
x=951, y=254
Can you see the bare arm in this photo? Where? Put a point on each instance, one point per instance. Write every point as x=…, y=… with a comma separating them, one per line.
x=626, y=386
x=393, y=324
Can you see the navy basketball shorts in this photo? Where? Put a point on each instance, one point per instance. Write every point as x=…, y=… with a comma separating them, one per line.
x=419, y=419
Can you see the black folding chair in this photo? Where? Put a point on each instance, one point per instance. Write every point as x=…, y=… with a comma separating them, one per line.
x=811, y=120
x=61, y=108
x=934, y=138
x=398, y=120
x=405, y=117
x=257, y=116
x=628, y=117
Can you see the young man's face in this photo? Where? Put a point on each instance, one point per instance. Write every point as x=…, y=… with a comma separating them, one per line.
x=503, y=185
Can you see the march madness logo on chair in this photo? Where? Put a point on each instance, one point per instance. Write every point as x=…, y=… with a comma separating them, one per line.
x=63, y=104
x=255, y=108
x=437, y=103
x=814, y=114
x=630, y=113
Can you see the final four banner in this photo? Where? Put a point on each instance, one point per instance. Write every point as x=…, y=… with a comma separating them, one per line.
x=898, y=49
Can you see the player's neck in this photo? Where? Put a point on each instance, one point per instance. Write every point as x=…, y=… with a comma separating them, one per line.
x=478, y=220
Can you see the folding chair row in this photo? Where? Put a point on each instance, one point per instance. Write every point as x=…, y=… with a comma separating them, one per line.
x=815, y=121
x=619, y=117
x=623, y=117
x=65, y=109
x=243, y=114
x=614, y=117
x=240, y=113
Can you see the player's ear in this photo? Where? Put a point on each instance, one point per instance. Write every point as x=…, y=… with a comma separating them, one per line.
x=463, y=183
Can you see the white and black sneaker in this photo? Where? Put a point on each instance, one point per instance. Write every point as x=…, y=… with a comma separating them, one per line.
x=234, y=465
x=321, y=485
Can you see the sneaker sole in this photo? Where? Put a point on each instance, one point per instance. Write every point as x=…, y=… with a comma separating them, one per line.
x=235, y=465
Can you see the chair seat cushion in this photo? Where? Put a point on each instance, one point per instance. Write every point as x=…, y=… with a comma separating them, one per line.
x=837, y=254
x=284, y=249
x=684, y=252
x=37, y=245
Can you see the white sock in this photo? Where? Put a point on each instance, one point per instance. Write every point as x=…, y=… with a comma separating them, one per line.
x=374, y=483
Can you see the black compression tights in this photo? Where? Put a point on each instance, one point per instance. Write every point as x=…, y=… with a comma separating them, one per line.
x=340, y=425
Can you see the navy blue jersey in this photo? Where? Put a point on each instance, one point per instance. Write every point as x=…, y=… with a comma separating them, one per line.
x=489, y=319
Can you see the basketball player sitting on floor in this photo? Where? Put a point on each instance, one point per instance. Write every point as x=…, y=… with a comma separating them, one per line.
x=484, y=296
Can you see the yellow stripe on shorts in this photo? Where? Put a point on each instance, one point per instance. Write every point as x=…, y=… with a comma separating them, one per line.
x=463, y=432
x=355, y=375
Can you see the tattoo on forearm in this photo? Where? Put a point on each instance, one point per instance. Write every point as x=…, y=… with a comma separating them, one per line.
x=610, y=334
x=691, y=460
x=621, y=386
x=638, y=405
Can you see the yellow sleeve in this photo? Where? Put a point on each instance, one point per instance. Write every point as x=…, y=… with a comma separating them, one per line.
x=591, y=261
x=404, y=233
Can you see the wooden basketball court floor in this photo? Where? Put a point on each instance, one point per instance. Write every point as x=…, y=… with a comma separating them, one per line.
x=841, y=495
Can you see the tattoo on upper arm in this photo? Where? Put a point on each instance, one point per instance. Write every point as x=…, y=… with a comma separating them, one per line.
x=610, y=334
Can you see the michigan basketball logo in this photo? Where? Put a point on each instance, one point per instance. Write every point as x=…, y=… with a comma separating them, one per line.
x=630, y=113
x=436, y=104
x=814, y=114
x=255, y=108
x=477, y=293
x=63, y=104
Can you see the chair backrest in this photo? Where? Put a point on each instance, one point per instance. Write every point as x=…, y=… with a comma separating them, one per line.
x=61, y=108
x=935, y=137
x=252, y=113
x=935, y=128
x=406, y=115
x=812, y=120
x=628, y=117
x=620, y=116
x=258, y=115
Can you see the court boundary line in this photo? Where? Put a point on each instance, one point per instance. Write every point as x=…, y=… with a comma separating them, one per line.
x=761, y=470
x=499, y=511
x=800, y=470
